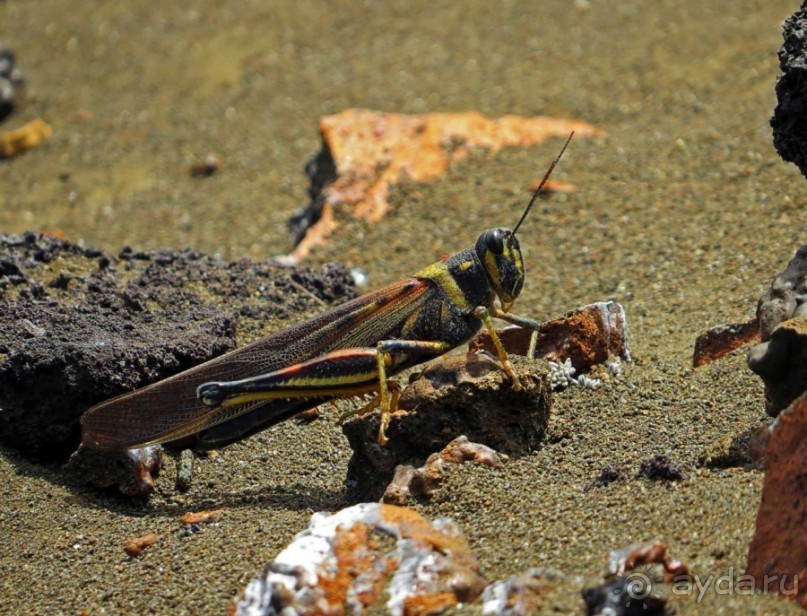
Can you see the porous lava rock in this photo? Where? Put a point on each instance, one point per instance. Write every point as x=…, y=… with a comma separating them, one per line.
x=80, y=326
x=789, y=121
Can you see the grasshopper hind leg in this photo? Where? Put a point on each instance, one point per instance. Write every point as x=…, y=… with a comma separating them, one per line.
x=386, y=413
x=251, y=404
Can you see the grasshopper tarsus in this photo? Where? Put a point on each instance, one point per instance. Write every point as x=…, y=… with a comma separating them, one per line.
x=386, y=414
x=346, y=351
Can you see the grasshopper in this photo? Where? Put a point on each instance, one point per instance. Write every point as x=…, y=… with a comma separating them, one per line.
x=349, y=350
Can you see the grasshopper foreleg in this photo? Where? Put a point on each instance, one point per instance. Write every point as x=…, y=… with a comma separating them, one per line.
x=530, y=324
x=485, y=314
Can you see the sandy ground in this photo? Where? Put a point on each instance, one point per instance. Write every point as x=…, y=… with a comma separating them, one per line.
x=684, y=215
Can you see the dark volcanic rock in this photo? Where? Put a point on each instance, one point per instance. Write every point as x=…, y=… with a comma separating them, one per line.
x=782, y=364
x=63, y=359
x=463, y=395
x=789, y=119
x=780, y=358
x=10, y=77
x=132, y=471
x=79, y=326
x=661, y=468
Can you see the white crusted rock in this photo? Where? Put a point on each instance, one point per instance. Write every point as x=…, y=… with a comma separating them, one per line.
x=367, y=555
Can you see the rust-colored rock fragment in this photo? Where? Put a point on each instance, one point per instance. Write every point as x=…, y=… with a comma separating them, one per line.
x=24, y=138
x=777, y=556
x=135, y=546
x=625, y=592
x=722, y=340
x=367, y=152
x=422, y=482
x=653, y=552
x=587, y=336
x=552, y=187
x=206, y=168
x=201, y=517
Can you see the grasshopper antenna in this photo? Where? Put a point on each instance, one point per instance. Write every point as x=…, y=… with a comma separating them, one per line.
x=543, y=182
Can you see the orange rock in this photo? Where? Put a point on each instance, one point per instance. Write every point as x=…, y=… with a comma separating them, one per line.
x=777, y=556
x=587, y=336
x=423, y=605
x=722, y=340
x=553, y=186
x=201, y=517
x=24, y=138
x=59, y=234
x=133, y=547
x=354, y=558
x=373, y=151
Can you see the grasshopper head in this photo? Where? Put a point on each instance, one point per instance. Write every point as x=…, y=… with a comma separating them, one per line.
x=500, y=253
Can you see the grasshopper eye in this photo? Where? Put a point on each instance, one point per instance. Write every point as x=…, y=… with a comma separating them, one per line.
x=494, y=241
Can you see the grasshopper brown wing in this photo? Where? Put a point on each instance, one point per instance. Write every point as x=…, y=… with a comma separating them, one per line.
x=170, y=410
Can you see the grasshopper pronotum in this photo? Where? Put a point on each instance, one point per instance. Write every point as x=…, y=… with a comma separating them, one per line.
x=349, y=350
